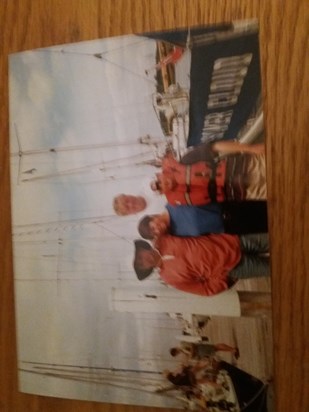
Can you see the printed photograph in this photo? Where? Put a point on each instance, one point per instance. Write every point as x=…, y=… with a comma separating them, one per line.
x=139, y=220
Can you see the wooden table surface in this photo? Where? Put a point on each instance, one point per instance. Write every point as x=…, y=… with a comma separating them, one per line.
x=27, y=24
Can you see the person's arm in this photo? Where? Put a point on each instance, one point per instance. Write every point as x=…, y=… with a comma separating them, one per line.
x=230, y=146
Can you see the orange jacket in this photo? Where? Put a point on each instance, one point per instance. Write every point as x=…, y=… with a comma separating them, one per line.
x=198, y=265
x=197, y=184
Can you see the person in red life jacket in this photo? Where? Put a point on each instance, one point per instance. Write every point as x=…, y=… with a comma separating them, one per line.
x=189, y=376
x=190, y=184
x=201, y=177
x=205, y=265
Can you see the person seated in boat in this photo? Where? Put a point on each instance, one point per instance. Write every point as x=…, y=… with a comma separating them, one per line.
x=202, y=176
x=198, y=400
x=228, y=217
x=204, y=265
x=190, y=376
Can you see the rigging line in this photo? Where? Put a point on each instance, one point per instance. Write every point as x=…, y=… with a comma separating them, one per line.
x=93, y=367
x=133, y=156
x=63, y=51
x=143, y=77
x=71, y=279
x=20, y=153
x=58, y=264
x=100, y=56
x=93, y=146
x=34, y=242
x=50, y=230
x=121, y=178
x=99, y=374
x=84, y=169
x=115, y=234
x=75, y=279
x=89, y=380
x=92, y=219
x=89, y=167
x=68, y=239
x=84, y=265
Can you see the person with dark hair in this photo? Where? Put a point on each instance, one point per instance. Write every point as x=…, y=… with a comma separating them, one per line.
x=232, y=217
x=190, y=376
x=203, y=403
x=183, y=353
x=176, y=351
x=204, y=265
x=183, y=378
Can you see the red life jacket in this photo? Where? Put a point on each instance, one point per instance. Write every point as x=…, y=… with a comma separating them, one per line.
x=197, y=184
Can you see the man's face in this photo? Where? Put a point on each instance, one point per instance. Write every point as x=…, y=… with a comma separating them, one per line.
x=146, y=259
x=129, y=204
x=158, y=226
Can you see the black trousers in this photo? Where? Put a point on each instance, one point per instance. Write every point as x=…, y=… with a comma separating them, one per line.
x=241, y=218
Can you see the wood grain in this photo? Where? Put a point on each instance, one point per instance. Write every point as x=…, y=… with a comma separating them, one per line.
x=26, y=24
